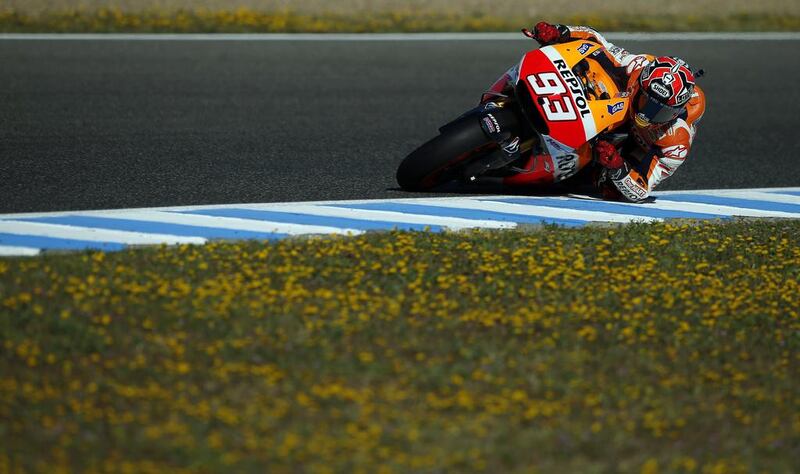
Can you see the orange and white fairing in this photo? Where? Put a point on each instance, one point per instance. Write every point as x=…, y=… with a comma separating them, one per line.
x=575, y=109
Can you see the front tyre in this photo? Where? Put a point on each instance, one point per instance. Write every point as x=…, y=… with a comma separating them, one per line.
x=432, y=163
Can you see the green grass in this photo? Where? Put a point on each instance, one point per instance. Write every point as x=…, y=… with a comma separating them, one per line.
x=643, y=348
x=243, y=20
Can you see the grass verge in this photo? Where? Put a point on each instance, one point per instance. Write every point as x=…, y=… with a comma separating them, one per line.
x=658, y=347
x=245, y=20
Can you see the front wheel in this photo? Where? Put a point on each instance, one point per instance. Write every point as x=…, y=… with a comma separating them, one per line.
x=432, y=163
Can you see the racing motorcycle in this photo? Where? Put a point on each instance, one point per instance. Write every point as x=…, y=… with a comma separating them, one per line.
x=554, y=104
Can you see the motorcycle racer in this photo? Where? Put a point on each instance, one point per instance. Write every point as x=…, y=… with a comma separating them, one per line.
x=666, y=107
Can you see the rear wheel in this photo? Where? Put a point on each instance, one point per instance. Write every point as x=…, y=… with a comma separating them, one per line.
x=435, y=161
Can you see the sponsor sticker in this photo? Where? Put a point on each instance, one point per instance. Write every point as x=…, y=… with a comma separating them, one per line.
x=676, y=152
x=491, y=124
x=618, y=52
x=565, y=166
x=574, y=85
x=614, y=108
x=636, y=63
x=630, y=189
x=660, y=90
x=554, y=147
x=513, y=147
x=548, y=164
x=488, y=125
x=584, y=47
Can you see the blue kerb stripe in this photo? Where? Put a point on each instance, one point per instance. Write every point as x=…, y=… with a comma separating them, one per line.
x=475, y=214
x=734, y=202
x=53, y=243
x=639, y=210
x=149, y=227
x=308, y=219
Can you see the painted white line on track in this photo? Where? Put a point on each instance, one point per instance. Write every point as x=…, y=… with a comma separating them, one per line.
x=19, y=236
x=93, y=235
x=454, y=223
x=539, y=211
x=230, y=223
x=500, y=36
x=772, y=197
x=707, y=36
x=684, y=206
x=411, y=200
x=14, y=251
x=725, y=192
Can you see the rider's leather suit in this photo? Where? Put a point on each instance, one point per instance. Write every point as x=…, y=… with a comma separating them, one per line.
x=652, y=154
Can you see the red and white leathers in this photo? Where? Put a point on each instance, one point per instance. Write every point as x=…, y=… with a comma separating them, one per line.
x=650, y=154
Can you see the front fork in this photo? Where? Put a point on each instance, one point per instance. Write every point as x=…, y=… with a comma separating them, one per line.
x=506, y=137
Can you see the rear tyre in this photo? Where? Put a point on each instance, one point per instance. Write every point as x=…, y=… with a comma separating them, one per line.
x=435, y=161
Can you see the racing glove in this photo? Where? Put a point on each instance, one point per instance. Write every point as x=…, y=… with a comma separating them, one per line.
x=545, y=33
x=608, y=156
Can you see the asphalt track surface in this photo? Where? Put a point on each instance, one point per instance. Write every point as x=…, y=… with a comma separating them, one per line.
x=110, y=124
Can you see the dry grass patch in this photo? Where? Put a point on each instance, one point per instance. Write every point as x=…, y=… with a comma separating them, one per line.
x=505, y=9
x=387, y=16
x=253, y=21
x=670, y=347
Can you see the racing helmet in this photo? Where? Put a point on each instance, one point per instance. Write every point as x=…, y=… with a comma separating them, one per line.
x=665, y=86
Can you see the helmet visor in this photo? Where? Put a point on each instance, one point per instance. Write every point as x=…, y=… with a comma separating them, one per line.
x=650, y=111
